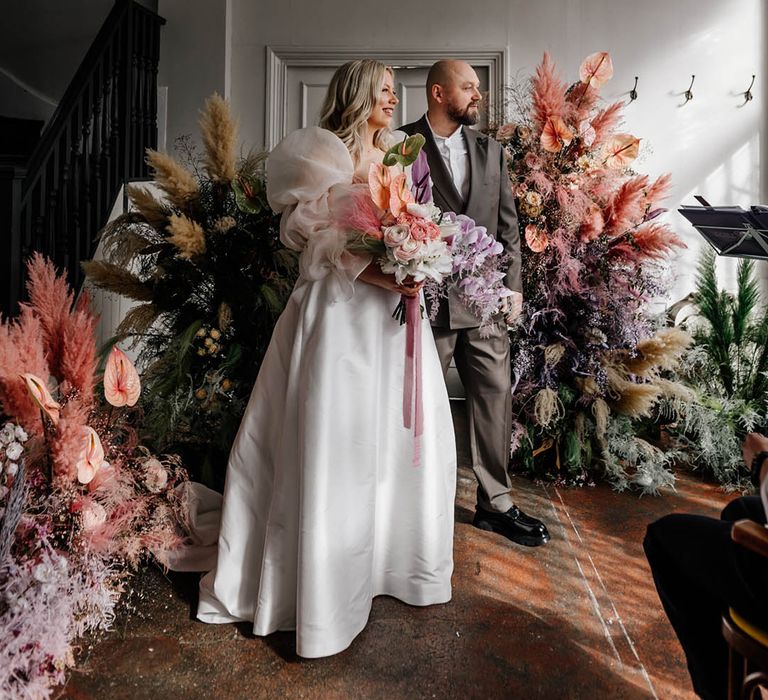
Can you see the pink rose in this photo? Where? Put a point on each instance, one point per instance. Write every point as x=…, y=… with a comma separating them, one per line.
x=420, y=229
x=92, y=513
x=155, y=475
x=407, y=250
x=506, y=132
x=532, y=161
x=395, y=235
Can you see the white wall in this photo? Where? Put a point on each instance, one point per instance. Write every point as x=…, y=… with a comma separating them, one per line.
x=711, y=146
x=193, y=50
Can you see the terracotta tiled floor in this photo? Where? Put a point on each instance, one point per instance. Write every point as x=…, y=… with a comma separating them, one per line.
x=578, y=618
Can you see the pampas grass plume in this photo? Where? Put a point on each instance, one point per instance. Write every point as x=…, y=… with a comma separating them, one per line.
x=115, y=279
x=637, y=400
x=663, y=351
x=548, y=93
x=154, y=211
x=219, y=132
x=606, y=121
x=627, y=205
x=68, y=442
x=22, y=349
x=175, y=180
x=78, y=360
x=187, y=235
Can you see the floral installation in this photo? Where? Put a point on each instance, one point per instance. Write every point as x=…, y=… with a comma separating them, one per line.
x=82, y=504
x=205, y=262
x=588, y=356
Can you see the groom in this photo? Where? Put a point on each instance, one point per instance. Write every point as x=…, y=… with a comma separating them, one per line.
x=469, y=177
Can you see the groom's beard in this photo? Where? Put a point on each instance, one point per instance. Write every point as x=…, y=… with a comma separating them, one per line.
x=464, y=116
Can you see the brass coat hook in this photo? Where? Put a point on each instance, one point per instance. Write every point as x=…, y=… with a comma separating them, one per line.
x=748, y=92
x=633, y=91
x=688, y=94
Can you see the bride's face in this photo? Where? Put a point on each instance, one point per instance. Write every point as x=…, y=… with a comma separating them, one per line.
x=381, y=116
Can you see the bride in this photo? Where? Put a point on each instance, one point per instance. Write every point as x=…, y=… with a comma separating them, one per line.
x=323, y=508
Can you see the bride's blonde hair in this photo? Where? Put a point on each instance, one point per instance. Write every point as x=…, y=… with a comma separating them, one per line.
x=352, y=94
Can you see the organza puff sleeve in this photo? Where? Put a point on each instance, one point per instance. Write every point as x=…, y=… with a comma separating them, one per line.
x=308, y=171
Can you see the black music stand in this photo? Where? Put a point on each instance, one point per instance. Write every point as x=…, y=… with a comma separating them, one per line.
x=731, y=231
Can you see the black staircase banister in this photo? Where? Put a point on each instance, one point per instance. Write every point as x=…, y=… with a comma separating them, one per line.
x=75, y=89
x=93, y=144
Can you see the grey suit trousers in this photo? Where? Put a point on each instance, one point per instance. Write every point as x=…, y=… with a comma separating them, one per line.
x=485, y=371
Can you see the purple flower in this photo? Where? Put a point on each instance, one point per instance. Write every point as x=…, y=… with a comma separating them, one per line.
x=422, y=182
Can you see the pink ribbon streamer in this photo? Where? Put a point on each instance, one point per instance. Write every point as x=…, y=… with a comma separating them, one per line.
x=413, y=412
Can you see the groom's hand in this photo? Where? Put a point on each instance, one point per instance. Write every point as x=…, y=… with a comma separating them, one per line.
x=512, y=307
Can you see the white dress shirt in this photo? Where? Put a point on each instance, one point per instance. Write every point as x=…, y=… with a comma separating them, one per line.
x=453, y=149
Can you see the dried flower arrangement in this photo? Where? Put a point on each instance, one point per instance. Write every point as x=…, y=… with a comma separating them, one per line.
x=206, y=262
x=81, y=502
x=587, y=355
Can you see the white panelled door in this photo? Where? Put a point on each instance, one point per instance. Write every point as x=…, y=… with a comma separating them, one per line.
x=306, y=86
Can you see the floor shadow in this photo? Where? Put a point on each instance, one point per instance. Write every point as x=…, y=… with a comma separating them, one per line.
x=462, y=514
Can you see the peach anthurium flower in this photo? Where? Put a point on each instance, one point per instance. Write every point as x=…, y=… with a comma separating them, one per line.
x=39, y=392
x=621, y=150
x=536, y=239
x=400, y=194
x=596, y=69
x=555, y=135
x=122, y=385
x=91, y=456
x=379, y=181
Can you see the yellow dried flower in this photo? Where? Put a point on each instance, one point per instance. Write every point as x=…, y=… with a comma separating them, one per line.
x=215, y=333
x=224, y=224
x=219, y=132
x=201, y=394
x=187, y=235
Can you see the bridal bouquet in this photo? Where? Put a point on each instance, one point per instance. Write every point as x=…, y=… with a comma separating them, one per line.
x=395, y=219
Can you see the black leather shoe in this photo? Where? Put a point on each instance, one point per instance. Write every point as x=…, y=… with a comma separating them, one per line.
x=514, y=525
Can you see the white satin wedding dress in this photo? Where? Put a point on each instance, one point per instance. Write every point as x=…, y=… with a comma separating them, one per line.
x=323, y=508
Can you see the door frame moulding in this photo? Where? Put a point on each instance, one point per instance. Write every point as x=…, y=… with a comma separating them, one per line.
x=281, y=58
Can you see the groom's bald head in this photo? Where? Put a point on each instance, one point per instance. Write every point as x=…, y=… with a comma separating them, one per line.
x=453, y=89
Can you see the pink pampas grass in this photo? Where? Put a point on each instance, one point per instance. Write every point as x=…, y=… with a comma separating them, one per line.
x=78, y=350
x=605, y=122
x=548, y=93
x=627, y=206
x=67, y=444
x=649, y=242
x=21, y=352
